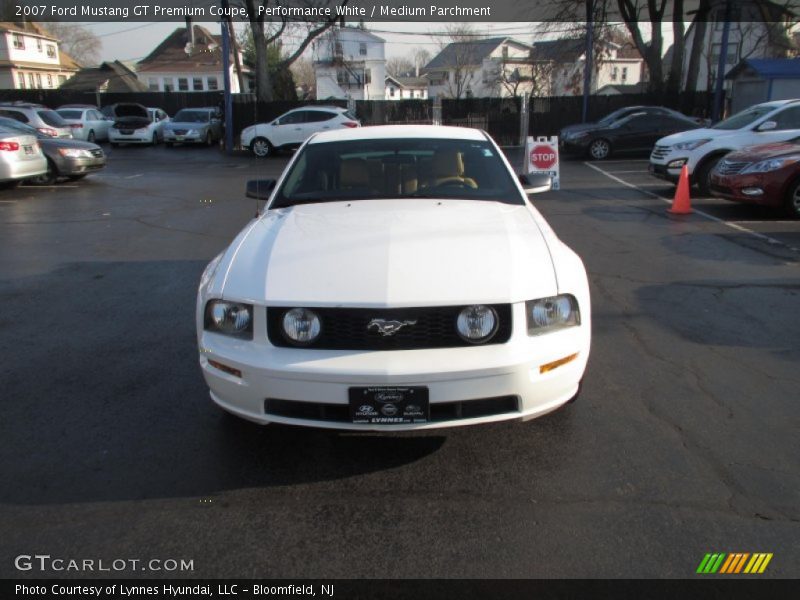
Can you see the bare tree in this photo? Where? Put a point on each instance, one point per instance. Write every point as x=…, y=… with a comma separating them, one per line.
x=76, y=40
x=399, y=66
x=457, y=48
x=305, y=78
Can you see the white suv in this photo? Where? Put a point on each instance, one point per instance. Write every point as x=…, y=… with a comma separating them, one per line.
x=293, y=128
x=701, y=149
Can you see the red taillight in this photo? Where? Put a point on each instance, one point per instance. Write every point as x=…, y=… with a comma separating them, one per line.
x=76, y=125
x=48, y=131
x=350, y=124
x=10, y=146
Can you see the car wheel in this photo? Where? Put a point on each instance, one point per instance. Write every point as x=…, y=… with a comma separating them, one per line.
x=90, y=137
x=76, y=177
x=48, y=178
x=792, y=204
x=702, y=175
x=155, y=139
x=599, y=149
x=209, y=139
x=261, y=147
x=10, y=185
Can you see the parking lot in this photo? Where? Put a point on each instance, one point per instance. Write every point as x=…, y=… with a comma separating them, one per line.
x=683, y=442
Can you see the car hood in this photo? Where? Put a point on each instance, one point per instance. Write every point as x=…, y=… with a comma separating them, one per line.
x=694, y=134
x=185, y=125
x=389, y=253
x=577, y=128
x=130, y=110
x=763, y=152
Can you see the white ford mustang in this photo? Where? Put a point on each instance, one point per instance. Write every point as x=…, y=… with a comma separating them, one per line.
x=399, y=278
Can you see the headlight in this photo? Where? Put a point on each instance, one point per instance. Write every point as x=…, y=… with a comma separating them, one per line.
x=301, y=326
x=230, y=318
x=690, y=145
x=476, y=324
x=192, y=132
x=549, y=314
x=74, y=153
x=772, y=164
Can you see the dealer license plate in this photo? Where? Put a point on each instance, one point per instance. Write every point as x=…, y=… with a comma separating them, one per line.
x=389, y=405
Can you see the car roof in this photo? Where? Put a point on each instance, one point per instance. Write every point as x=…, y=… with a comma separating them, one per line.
x=777, y=103
x=319, y=107
x=377, y=132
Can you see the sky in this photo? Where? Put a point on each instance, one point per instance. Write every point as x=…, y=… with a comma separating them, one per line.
x=134, y=41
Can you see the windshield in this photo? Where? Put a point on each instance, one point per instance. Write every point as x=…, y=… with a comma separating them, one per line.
x=71, y=114
x=398, y=168
x=15, y=125
x=616, y=115
x=191, y=116
x=52, y=118
x=744, y=118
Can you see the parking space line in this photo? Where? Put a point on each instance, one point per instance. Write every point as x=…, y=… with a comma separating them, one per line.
x=8, y=201
x=133, y=176
x=735, y=226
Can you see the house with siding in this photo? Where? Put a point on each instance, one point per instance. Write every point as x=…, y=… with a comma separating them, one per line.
x=349, y=62
x=30, y=58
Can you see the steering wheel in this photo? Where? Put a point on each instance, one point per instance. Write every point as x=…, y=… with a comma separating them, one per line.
x=455, y=182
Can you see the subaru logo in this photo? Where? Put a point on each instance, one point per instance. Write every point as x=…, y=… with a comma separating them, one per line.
x=388, y=327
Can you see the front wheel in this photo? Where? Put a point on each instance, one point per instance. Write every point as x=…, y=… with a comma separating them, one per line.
x=599, y=149
x=261, y=147
x=155, y=139
x=209, y=139
x=702, y=176
x=90, y=137
x=792, y=203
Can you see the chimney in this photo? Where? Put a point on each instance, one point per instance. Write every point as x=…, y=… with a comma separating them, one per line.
x=189, y=31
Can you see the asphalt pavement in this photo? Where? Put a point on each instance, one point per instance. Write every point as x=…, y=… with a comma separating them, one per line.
x=683, y=442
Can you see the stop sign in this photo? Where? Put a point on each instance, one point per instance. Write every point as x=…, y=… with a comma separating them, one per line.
x=543, y=157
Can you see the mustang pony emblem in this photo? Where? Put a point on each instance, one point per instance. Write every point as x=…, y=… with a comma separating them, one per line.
x=387, y=328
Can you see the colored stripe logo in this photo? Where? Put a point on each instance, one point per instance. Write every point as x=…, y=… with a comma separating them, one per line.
x=734, y=563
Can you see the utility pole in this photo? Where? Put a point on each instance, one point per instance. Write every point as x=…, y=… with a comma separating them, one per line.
x=719, y=95
x=587, y=65
x=226, y=80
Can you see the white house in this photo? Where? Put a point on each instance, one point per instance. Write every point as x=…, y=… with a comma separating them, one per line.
x=188, y=60
x=349, y=62
x=31, y=59
x=493, y=67
x=406, y=88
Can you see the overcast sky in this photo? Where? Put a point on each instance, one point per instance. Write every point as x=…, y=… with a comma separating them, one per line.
x=134, y=41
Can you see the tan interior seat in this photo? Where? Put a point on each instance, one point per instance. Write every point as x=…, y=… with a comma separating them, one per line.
x=448, y=166
x=354, y=174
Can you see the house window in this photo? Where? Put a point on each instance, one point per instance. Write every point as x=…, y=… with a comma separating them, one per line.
x=38, y=80
x=212, y=83
x=337, y=49
x=391, y=92
x=152, y=84
x=367, y=76
x=197, y=84
x=614, y=73
x=19, y=42
x=21, y=77
x=38, y=44
x=505, y=52
x=49, y=80
x=51, y=51
x=62, y=79
x=341, y=77
x=183, y=84
x=624, y=73
x=362, y=49
x=731, y=59
x=169, y=86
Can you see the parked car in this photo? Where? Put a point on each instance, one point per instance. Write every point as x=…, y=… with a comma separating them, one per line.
x=399, y=278
x=194, y=126
x=73, y=159
x=136, y=124
x=701, y=149
x=768, y=175
x=634, y=132
x=87, y=123
x=21, y=157
x=294, y=127
x=36, y=115
x=621, y=113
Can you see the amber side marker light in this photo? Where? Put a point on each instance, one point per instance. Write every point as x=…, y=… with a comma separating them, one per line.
x=557, y=363
x=225, y=368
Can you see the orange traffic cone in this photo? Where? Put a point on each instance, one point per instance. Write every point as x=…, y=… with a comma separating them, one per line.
x=681, y=205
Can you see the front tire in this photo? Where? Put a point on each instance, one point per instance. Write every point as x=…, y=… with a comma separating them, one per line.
x=792, y=203
x=261, y=147
x=599, y=149
x=155, y=139
x=209, y=139
x=702, y=175
x=90, y=137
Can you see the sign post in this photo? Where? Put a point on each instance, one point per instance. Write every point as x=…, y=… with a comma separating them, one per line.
x=541, y=157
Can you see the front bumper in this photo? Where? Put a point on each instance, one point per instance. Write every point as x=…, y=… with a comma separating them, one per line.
x=452, y=375
x=79, y=166
x=138, y=137
x=662, y=171
x=197, y=138
x=762, y=189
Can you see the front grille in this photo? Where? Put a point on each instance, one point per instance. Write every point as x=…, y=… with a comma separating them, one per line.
x=347, y=328
x=660, y=152
x=97, y=153
x=439, y=412
x=180, y=131
x=730, y=167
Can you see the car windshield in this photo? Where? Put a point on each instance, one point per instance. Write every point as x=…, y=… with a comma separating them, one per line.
x=70, y=114
x=744, y=118
x=617, y=115
x=52, y=118
x=192, y=116
x=16, y=126
x=398, y=168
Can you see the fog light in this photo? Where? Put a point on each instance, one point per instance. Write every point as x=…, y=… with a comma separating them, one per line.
x=225, y=368
x=752, y=191
x=557, y=363
x=676, y=164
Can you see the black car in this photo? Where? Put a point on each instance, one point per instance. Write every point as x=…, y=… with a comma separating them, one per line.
x=73, y=159
x=628, y=130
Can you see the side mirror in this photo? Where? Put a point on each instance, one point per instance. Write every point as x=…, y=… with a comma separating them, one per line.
x=260, y=189
x=767, y=126
x=535, y=184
